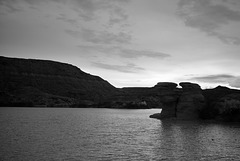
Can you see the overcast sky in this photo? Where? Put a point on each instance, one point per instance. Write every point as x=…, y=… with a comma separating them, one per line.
x=129, y=42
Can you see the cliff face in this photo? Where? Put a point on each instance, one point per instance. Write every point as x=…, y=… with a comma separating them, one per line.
x=168, y=96
x=182, y=103
x=48, y=83
x=191, y=101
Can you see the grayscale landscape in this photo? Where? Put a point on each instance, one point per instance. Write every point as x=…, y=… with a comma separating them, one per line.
x=119, y=80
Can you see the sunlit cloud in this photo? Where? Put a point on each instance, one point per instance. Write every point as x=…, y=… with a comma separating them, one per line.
x=128, y=68
x=220, y=78
x=100, y=37
x=129, y=53
x=233, y=81
x=122, y=37
x=124, y=52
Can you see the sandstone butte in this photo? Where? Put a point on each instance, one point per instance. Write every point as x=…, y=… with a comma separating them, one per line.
x=44, y=83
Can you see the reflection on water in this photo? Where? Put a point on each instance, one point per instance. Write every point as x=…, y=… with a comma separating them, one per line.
x=184, y=140
x=107, y=134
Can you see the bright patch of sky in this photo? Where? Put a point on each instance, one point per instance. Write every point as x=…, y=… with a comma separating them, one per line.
x=129, y=42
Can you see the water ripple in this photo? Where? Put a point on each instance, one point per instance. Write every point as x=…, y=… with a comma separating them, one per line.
x=107, y=134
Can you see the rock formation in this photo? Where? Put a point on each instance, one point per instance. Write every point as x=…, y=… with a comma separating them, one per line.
x=168, y=95
x=191, y=101
x=181, y=103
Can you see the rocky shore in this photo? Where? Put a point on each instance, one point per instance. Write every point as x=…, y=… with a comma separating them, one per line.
x=42, y=83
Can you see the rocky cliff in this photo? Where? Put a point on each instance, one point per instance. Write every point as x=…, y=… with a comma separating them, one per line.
x=191, y=102
x=182, y=103
x=168, y=96
x=28, y=82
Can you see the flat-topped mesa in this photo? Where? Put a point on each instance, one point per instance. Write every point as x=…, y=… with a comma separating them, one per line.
x=191, y=101
x=166, y=85
x=146, y=97
x=30, y=82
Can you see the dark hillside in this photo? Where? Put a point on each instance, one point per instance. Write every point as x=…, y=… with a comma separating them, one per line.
x=47, y=83
x=221, y=103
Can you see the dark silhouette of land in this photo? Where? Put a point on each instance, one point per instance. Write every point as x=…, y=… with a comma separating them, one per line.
x=43, y=83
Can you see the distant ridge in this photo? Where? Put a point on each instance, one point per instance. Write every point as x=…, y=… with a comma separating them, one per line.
x=48, y=83
x=44, y=83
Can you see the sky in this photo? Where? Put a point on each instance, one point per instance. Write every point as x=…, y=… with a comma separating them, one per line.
x=129, y=43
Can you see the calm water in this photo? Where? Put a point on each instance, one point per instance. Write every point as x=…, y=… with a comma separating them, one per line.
x=108, y=134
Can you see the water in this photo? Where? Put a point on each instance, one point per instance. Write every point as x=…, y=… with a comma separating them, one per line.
x=111, y=134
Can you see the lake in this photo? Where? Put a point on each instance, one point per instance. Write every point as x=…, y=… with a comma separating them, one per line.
x=111, y=134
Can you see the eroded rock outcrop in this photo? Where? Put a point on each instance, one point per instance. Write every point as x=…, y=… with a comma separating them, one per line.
x=180, y=103
x=220, y=103
x=168, y=95
x=191, y=101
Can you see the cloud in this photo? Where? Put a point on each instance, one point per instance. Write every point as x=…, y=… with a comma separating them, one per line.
x=129, y=53
x=233, y=2
x=100, y=37
x=90, y=10
x=220, y=78
x=110, y=18
x=100, y=21
x=117, y=16
x=9, y=6
x=209, y=18
x=64, y=18
x=87, y=10
x=124, y=52
x=113, y=10
x=128, y=68
x=233, y=81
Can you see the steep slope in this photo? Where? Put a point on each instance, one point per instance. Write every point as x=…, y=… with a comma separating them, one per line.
x=48, y=83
